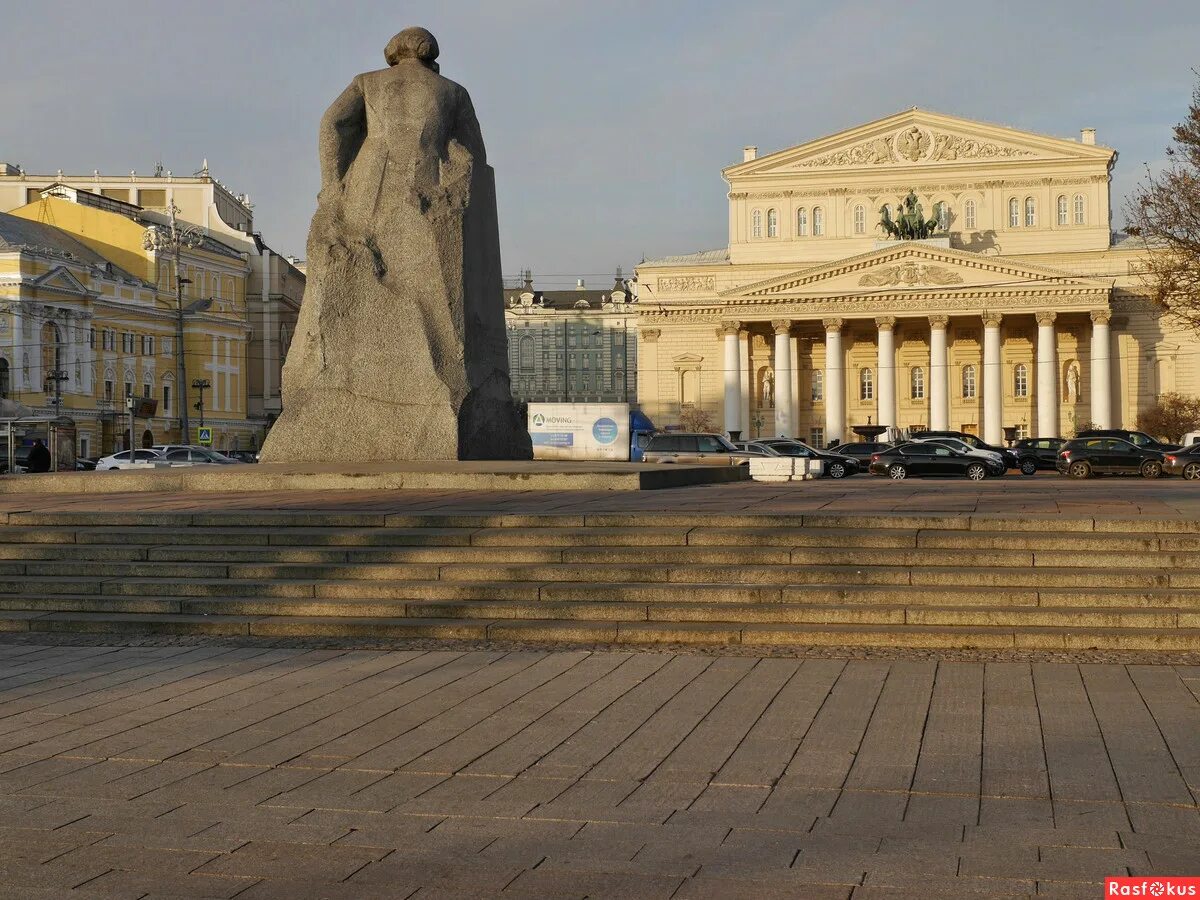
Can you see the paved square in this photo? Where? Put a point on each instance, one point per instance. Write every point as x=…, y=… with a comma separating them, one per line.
x=214, y=770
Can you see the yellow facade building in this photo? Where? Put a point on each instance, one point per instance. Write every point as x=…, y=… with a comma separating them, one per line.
x=1022, y=311
x=88, y=316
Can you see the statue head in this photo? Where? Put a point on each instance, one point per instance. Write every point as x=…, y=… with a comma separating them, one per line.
x=412, y=43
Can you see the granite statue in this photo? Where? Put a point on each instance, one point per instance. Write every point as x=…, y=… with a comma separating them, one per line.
x=400, y=350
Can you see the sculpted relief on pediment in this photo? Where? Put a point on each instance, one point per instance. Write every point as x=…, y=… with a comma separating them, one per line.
x=914, y=144
x=910, y=274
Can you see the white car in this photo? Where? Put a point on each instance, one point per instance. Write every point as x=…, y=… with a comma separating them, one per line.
x=963, y=447
x=196, y=456
x=142, y=459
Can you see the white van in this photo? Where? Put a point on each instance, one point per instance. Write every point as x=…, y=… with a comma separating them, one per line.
x=1192, y=437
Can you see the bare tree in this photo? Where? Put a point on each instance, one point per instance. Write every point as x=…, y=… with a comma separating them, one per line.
x=1165, y=211
x=693, y=418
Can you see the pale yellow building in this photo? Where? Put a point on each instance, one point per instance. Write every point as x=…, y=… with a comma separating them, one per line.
x=274, y=286
x=1022, y=311
x=88, y=317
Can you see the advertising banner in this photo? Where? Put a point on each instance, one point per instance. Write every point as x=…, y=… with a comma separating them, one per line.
x=580, y=430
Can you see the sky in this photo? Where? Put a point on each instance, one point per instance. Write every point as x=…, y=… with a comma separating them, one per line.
x=608, y=123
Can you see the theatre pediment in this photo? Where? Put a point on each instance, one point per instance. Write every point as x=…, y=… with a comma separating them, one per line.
x=912, y=266
x=917, y=137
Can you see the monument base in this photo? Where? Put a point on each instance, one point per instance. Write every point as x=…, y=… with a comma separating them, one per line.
x=540, y=475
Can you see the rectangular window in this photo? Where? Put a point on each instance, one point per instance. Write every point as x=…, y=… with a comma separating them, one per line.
x=147, y=345
x=129, y=389
x=108, y=389
x=126, y=342
x=818, y=386
x=816, y=437
x=146, y=391
x=84, y=447
x=92, y=338
x=166, y=398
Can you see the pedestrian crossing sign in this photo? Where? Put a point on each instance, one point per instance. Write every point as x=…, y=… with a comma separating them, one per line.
x=204, y=436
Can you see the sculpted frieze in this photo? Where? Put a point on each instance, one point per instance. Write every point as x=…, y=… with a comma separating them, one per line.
x=914, y=144
x=910, y=274
x=682, y=284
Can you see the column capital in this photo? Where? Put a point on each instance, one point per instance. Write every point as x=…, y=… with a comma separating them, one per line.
x=1045, y=317
x=991, y=319
x=885, y=322
x=939, y=322
x=1100, y=316
x=649, y=335
x=833, y=324
x=782, y=326
x=725, y=329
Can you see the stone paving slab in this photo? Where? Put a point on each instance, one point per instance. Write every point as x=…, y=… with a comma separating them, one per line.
x=225, y=771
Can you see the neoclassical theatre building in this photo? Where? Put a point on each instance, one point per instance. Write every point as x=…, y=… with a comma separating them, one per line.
x=1022, y=310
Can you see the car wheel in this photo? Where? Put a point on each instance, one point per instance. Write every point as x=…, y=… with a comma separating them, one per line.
x=1191, y=472
x=837, y=470
x=1151, y=469
x=977, y=471
x=1080, y=470
x=897, y=472
x=1028, y=467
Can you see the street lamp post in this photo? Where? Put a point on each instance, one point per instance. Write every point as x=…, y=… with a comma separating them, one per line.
x=173, y=239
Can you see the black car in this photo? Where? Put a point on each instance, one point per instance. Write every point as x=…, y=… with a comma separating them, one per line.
x=837, y=465
x=974, y=440
x=1185, y=462
x=924, y=458
x=1084, y=457
x=1137, y=438
x=861, y=451
x=1034, y=454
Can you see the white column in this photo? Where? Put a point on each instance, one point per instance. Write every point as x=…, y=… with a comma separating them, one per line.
x=1047, y=376
x=784, y=426
x=733, y=377
x=993, y=395
x=1101, y=373
x=885, y=397
x=939, y=375
x=747, y=382
x=16, y=377
x=835, y=382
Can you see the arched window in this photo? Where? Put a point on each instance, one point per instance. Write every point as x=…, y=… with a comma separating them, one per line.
x=818, y=221
x=941, y=212
x=918, y=383
x=772, y=223
x=866, y=385
x=756, y=224
x=860, y=220
x=969, y=215
x=1080, y=217
x=968, y=382
x=1014, y=213
x=801, y=222
x=1021, y=380
x=1030, y=212
x=818, y=385
x=525, y=354
x=1062, y=210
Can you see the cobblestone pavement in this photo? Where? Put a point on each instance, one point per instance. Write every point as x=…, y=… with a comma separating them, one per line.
x=1046, y=494
x=217, y=770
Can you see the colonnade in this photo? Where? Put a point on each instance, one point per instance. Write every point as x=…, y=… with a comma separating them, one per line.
x=938, y=393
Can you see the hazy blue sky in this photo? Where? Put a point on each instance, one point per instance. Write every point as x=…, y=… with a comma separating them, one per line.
x=607, y=122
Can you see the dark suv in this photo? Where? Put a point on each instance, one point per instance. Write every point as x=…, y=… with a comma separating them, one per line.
x=1007, y=455
x=862, y=451
x=1084, y=457
x=1137, y=438
x=1037, y=453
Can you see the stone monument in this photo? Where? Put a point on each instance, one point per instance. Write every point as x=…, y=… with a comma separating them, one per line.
x=400, y=351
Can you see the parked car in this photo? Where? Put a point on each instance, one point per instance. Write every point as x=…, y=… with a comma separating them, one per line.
x=1137, y=438
x=1034, y=454
x=995, y=462
x=753, y=448
x=927, y=458
x=1084, y=457
x=862, y=451
x=85, y=464
x=692, y=449
x=837, y=465
x=1192, y=437
x=197, y=456
x=245, y=456
x=1185, y=462
x=975, y=441
x=142, y=459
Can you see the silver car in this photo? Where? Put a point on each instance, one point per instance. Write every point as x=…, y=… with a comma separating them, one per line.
x=694, y=448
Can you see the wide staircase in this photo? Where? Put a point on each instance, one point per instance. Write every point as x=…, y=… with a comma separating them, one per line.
x=841, y=581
